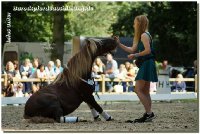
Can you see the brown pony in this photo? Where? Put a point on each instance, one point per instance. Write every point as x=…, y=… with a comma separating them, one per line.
x=71, y=87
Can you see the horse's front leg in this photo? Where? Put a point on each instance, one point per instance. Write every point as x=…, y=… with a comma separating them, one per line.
x=90, y=100
x=95, y=114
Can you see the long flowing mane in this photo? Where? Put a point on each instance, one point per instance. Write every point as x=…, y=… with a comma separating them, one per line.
x=78, y=66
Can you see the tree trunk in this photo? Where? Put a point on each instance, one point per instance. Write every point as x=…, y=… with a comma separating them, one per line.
x=58, y=33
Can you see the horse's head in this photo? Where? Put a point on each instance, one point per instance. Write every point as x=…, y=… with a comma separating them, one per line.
x=101, y=46
x=80, y=65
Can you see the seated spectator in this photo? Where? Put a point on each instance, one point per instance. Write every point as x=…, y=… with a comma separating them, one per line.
x=122, y=75
x=8, y=91
x=18, y=90
x=51, y=74
x=35, y=65
x=134, y=67
x=16, y=67
x=122, y=72
x=153, y=87
x=11, y=73
x=26, y=71
x=127, y=65
x=100, y=65
x=95, y=74
x=58, y=67
x=110, y=72
x=131, y=71
x=179, y=85
x=131, y=75
x=41, y=74
x=95, y=71
x=10, y=70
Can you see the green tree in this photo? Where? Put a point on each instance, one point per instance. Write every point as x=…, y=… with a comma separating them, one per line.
x=58, y=32
x=26, y=25
x=172, y=24
x=92, y=23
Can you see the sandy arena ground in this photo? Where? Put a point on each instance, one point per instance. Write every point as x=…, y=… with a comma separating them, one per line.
x=175, y=116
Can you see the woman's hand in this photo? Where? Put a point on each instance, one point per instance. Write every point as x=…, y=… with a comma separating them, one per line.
x=131, y=56
x=135, y=55
x=116, y=38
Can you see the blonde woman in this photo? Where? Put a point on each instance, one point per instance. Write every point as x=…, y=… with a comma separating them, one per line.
x=142, y=48
x=100, y=65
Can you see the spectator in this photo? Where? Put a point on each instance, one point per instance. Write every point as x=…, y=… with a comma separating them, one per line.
x=134, y=67
x=122, y=75
x=16, y=67
x=131, y=71
x=122, y=72
x=95, y=74
x=58, y=67
x=131, y=75
x=179, y=85
x=153, y=87
x=164, y=68
x=10, y=70
x=100, y=65
x=35, y=65
x=127, y=65
x=95, y=70
x=51, y=74
x=41, y=74
x=25, y=71
x=111, y=71
x=18, y=88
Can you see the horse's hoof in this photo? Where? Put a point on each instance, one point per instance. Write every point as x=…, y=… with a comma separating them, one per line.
x=110, y=119
x=97, y=118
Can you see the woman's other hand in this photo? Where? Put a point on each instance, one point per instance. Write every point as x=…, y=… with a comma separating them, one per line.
x=131, y=56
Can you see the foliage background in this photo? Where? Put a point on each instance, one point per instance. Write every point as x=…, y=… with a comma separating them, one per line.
x=173, y=25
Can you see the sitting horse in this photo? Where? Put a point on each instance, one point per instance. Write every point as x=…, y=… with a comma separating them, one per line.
x=72, y=86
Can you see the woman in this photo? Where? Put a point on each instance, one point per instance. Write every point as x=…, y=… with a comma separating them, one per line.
x=142, y=48
x=51, y=74
x=10, y=72
x=16, y=66
x=100, y=65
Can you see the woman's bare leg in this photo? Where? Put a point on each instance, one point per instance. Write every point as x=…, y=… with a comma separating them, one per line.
x=143, y=94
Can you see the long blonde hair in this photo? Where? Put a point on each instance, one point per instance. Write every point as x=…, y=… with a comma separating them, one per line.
x=143, y=24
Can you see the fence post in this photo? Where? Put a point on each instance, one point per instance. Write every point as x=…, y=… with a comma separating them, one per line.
x=103, y=83
x=195, y=79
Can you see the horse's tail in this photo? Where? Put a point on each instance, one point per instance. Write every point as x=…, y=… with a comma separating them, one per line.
x=39, y=119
